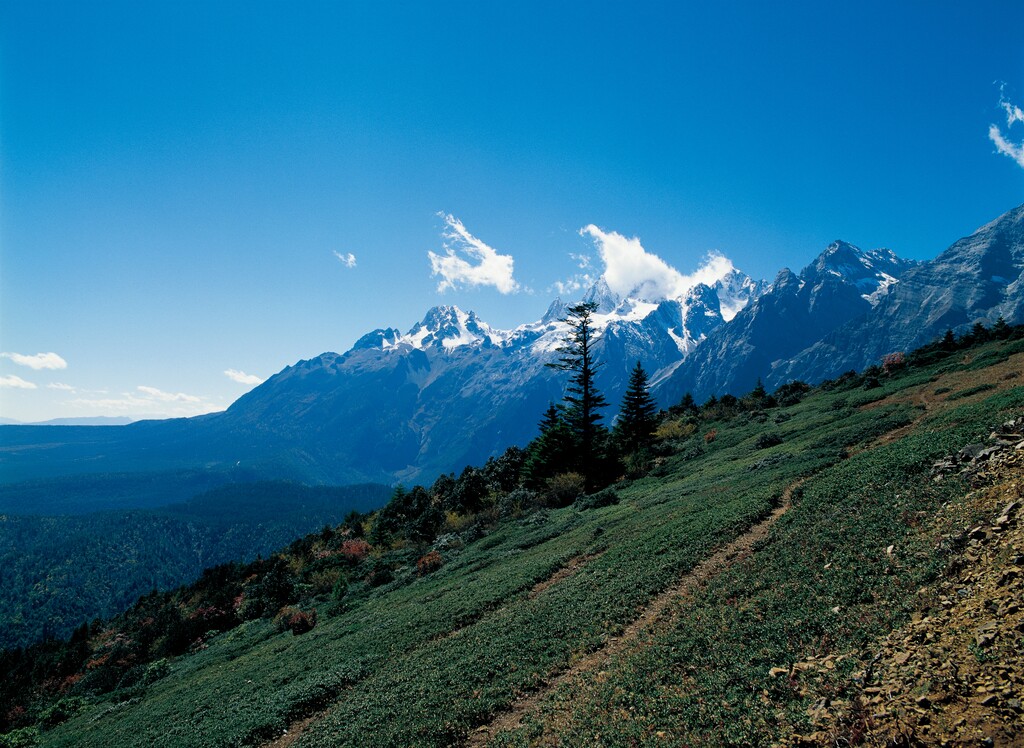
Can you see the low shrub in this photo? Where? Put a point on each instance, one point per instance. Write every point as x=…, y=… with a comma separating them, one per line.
x=605, y=497
x=565, y=488
x=767, y=439
x=431, y=562
x=295, y=620
x=675, y=429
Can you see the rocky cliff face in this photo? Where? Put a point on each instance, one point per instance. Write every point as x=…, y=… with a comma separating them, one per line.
x=978, y=279
x=844, y=283
x=849, y=308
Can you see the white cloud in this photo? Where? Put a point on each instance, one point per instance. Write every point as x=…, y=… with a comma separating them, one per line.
x=582, y=261
x=146, y=402
x=348, y=260
x=490, y=268
x=17, y=382
x=168, y=397
x=1002, y=143
x=630, y=270
x=1005, y=147
x=241, y=377
x=572, y=285
x=61, y=386
x=38, y=361
x=1013, y=112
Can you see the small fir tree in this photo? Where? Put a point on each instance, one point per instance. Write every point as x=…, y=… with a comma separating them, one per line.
x=949, y=341
x=551, y=451
x=634, y=430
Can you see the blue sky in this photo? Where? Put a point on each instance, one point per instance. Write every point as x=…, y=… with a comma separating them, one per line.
x=183, y=184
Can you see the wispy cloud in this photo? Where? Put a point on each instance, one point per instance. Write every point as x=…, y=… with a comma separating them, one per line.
x=61, y=386
x=582, y=261
x=168, y=397
x=573, y=284
x=630, y=270
x=38, y=361
x=348, y=259
x=241, y=377
x=1002, y=142
x=467, y=261
x=16, y=382
x=146, y=401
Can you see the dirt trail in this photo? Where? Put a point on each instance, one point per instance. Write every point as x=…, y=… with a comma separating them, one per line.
x=652, y=615
x=933, y=396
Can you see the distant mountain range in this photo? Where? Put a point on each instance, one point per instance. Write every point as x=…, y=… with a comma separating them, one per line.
x=74, y=421
x=453, y=391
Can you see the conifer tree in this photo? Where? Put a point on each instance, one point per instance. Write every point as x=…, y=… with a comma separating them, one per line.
x=978, y=334
x=551, y=451
x=634, y=430
x=949, y=341
x=583, y=401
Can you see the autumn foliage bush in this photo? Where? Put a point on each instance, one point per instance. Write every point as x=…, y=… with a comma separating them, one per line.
x=355, y=550
x=295, y=620
x=429, y=563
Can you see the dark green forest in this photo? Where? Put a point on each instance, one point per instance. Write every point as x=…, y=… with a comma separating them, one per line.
x=58, y=572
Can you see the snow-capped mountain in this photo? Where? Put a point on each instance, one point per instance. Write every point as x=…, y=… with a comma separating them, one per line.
x=453, y=391
x=842, y=284
x=978, y=279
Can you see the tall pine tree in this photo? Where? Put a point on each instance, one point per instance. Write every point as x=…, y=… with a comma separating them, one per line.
x=582, y=399
x=634, y=430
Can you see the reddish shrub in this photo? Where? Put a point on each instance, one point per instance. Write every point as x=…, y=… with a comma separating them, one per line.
x=893, y=361
x=98, y=662
x=355, y=550
x=69, y=682
x=431, y=562
x=295, y=620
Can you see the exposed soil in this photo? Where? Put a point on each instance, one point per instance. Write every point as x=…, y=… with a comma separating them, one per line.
x=954, y=676
x=933, y=396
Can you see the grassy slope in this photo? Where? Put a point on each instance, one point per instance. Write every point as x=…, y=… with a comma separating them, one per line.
x=425, y=663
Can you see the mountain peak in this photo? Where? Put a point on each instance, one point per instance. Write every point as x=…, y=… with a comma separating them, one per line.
x=602, y=295
x=449, y=327
x=735, y=291
x=873, y=272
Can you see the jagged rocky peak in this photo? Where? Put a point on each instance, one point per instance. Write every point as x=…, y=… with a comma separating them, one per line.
x=873, y=272
x=852, y=262
x=703, y=299
x=555, y=312
x=600, y=294
x=449, y=327
x=735, y=291
x=786, y=280
x=379, y=338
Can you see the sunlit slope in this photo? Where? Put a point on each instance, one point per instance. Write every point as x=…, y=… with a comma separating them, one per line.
x=429, y=661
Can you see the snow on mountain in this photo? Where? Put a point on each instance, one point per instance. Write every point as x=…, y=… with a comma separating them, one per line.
x=842, y=284
x=873, y=272
x=454, y=391
x=735, y=291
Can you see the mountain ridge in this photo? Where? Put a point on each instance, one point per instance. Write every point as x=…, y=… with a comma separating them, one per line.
x=452, y=390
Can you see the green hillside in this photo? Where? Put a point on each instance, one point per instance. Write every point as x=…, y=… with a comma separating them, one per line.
x=516, y=626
